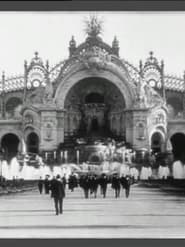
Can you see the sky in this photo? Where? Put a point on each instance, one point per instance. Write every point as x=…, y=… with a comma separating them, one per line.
x=49, y=33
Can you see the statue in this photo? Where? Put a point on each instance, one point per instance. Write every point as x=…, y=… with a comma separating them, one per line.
x=94, y=59
x=152, y=96
x=141, y=99
x=146, y=96
x=49, y=131
x=36, y=97
x=48, y=94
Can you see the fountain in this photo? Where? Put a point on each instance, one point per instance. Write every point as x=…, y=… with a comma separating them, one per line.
x=178, y=170
x=163, y=172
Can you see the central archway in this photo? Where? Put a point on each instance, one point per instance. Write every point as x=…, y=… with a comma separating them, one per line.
x=112, y=73
x=94, y=102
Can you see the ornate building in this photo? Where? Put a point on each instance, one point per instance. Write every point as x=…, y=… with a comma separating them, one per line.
x=92, y=94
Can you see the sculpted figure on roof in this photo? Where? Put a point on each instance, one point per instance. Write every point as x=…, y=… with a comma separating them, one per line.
x=93, y=26
x=153, y=98
x=146, y=96
x=140, y=100
x=36, y=97
x=94, y=58
x=48, y=94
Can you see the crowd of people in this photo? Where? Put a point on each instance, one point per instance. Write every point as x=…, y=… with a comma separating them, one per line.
x=89, y=183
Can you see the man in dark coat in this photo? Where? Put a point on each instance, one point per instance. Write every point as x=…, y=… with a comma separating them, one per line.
x=72, y=182
x=47, y=184
x=58, y=194
x=103, y=181
x=93, y=184
x=84, y=184
x=126, y=182
x=40, y=185
x=116, y=185
x=64, y=181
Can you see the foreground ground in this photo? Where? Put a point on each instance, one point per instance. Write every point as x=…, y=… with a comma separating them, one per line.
x=147, y=213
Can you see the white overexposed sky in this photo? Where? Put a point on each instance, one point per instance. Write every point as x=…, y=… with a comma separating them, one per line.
x=49, y=33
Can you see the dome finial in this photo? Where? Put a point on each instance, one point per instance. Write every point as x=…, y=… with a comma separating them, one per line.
x=93, y=26
x=3, y=75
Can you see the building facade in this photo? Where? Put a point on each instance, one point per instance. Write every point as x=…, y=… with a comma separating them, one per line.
x=93, y=93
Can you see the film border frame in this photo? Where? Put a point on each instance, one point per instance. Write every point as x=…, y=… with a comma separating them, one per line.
x=138, y=6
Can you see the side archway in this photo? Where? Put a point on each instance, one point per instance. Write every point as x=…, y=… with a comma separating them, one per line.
x=157, y=142
x=178, y=146
x=32, y=143
x=10, y=145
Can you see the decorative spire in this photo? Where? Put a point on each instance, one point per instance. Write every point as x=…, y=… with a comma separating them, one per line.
x=36, y=55
x=3, y=77
x=72, y=42
x=141, y=68
x=3, y=81
x=25, y=65
x=47, y=65
x=2, y=100
x=115, y=46
x=115, y=42
x=151, y=54
x=93, y=26
x=162, y=65
x=162, y=80
x=72, y=46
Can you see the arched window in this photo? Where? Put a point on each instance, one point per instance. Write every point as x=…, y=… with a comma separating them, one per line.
x=13, y=106
x=156, y=142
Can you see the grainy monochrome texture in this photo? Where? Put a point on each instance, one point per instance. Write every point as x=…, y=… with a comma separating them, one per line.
x=92, y=130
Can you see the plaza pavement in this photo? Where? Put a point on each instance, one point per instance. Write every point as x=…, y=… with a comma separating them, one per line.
x=147, y=213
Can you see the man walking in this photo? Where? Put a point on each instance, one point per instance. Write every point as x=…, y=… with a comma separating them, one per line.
x=103, y=181
x=47, y=184
x=126, y=182
x=116, y=185
x=40, y=185
x=58, y=193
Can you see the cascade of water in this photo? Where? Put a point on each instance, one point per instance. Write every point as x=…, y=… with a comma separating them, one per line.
x=178, y=170
x=163, y=172
x=5, y=169
x=146, y=172
x=134, y=173
x=124, y=170
x=57, y=170
x=14, y=168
